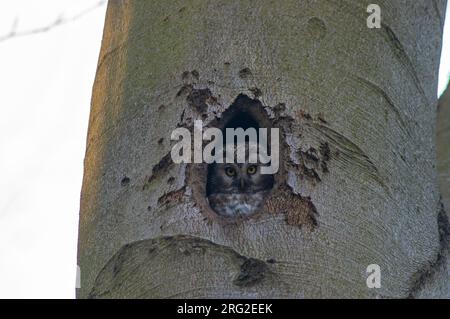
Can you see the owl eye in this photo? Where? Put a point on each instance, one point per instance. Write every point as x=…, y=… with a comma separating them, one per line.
x=251, y=169
x=230, y=171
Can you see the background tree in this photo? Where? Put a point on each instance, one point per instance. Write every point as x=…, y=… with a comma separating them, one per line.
x=358, y=182
x=443, y=162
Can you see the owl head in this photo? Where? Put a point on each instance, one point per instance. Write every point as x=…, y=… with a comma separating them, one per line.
x=234, y=178
x=237, y=177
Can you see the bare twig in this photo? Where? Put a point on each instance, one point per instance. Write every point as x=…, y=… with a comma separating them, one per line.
x=60, y=20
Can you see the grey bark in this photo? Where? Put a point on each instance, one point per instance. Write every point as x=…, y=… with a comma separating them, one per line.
x=443, y=146
x=358, y=183
x=443, y=164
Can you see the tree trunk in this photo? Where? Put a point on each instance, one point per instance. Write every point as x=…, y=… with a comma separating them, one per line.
x=357, y=183
x=443, y=164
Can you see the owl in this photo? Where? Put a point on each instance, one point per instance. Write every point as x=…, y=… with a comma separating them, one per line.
x=237, y=189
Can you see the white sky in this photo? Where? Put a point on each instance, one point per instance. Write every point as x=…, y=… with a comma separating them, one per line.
x=444, y=69
x=46, y=82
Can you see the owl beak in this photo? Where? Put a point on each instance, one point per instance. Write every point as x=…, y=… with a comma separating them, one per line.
x=243, y=185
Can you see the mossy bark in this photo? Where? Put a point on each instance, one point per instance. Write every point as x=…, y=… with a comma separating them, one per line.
x=356, y=107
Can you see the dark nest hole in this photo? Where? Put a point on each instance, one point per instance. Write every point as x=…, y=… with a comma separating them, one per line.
x=245, y=113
